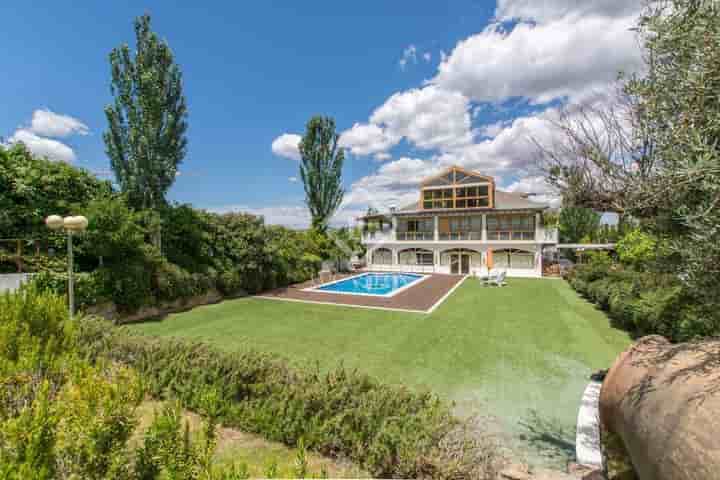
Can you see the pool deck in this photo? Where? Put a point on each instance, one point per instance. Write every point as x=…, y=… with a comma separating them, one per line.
x=422, y=297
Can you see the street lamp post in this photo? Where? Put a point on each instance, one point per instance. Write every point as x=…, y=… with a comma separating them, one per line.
x=71, y=225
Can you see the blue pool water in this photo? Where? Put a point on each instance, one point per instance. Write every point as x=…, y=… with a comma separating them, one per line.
x=372, y=283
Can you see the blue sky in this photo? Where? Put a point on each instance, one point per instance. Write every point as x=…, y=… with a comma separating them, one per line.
x=413, y=86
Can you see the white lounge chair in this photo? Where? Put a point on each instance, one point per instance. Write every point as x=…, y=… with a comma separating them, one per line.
x=481, y=273
x=497, y=280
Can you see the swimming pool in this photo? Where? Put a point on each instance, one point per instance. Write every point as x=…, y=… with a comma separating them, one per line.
x=377, y=284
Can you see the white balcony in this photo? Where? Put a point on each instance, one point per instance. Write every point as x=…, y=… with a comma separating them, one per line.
x=415, y=236
x=459, y=236
x=379, y=236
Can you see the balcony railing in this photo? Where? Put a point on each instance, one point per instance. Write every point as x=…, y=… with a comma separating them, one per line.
x=379, y=236
x=455, y=236
x=416, y=236
x=510, y=235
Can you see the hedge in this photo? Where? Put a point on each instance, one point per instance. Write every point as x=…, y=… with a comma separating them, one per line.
x=390, y=431
x=643, y=303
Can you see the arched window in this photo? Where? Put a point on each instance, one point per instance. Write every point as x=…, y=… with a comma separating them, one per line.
x=382, y=256
x=511, y=258
x=416, y=256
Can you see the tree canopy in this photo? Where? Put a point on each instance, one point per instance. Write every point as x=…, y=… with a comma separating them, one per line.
x=321, y=170
x=147, y=122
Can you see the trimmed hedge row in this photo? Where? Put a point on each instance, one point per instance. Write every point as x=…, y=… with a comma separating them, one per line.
x=388, y=430
x=643, y=303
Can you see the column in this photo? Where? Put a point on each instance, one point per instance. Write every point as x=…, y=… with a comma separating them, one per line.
x=539, y=229
x=540, y=262
x=483, y=227
x=393, y=231
x=436, y=235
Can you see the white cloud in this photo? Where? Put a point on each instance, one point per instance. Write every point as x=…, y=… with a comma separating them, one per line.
x=394, y=184
x=367, y=139
x=409, y=55
x=565, y=56
x=492, y=130
x=429, y=117
x=427, y=56
x=381, y=157
x=293, y=179
x=537, y=185
x=286, y=145
x=50, y=124
x=545, y=10
x=43, y=147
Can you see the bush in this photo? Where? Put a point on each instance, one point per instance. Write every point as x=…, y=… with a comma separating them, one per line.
x=61, y=417
x=637, y=249
x=390, y=431
x=643, y=303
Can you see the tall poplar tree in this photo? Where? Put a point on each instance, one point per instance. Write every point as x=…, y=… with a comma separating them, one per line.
x=147, y=122
x=321, y=170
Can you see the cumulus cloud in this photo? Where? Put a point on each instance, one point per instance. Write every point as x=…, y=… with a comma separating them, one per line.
x=286, y=145
x=394, y=184
x=546, y=10
x=47, y=123
x=563, y=57
x=428, y=117
x=43, y=147
x=367, y=139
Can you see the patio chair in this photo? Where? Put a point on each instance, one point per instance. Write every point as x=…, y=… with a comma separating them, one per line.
x=481, y=274
x=327, y=271
x=497, y=280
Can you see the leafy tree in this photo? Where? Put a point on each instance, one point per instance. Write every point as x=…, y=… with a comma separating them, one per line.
x=114, y=234
x=577, y=223
x=31, y=188
x=678, y=105
x=321, y=170
x=146, y=139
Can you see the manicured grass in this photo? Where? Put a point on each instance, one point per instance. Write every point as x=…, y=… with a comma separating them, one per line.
x=520, y=354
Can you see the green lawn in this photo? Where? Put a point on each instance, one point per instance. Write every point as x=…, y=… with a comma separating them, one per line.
x=520, y=355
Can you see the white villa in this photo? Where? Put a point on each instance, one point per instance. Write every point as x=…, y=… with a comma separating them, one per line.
x=460, y=224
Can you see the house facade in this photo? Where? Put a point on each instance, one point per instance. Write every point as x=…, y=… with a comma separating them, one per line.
x=460, y=224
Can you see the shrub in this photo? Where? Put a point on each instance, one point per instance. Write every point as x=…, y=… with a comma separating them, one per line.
x=390, y=431
x=637, y=249
x=643, y=303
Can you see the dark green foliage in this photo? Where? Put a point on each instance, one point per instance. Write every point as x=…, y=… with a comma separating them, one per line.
x=388, y=430
x=679, y=106
x=32, y=188
x=577, y=223
x=147, y=123
x=114, y=235
x=321, y=170
x=644, y=303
